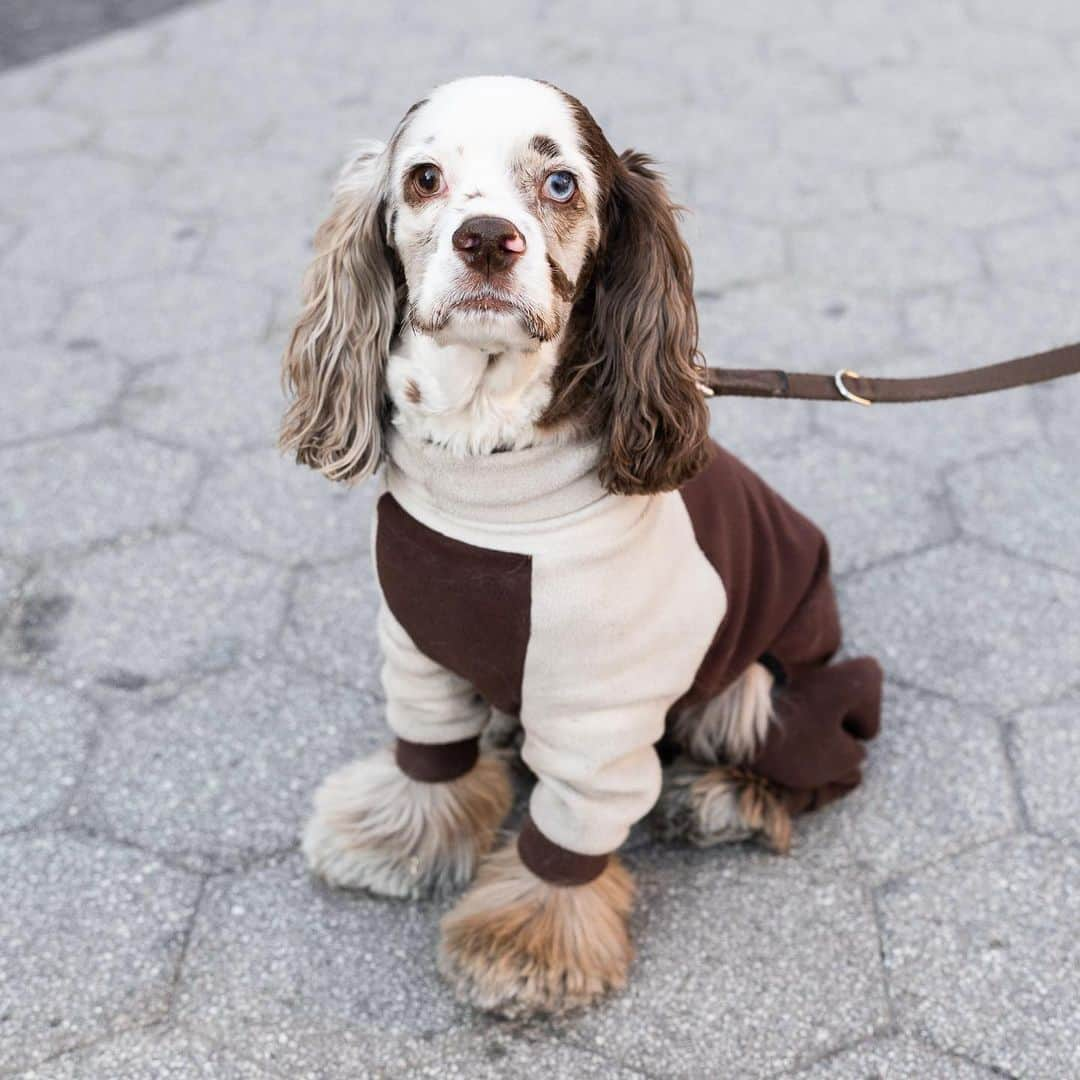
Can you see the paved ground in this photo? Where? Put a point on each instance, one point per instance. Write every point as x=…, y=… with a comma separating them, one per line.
x=30, y=29
x=185, y=637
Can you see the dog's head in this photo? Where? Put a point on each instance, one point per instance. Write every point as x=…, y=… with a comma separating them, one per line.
x=499, y=217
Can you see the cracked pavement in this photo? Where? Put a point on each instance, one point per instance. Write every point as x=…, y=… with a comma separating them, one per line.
x=186, y=619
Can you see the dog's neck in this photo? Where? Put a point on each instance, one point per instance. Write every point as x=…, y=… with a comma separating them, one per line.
x=467, y=399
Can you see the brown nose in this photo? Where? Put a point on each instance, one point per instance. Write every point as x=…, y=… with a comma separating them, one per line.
x=488, y=244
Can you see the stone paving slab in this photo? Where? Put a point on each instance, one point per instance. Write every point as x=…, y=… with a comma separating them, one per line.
x=1028, y=503
x=708, y=994
x=251, y=503
x=961, y=619
x=55, y=389
x=1044, y=743
x=78, y=251
x=894, y=1059
x=150, y=1055
x=335, y=603
x=184, y=313
x=310, y=981
x=849, y=511
x=29, y=310
x=10, y=575
x=920, y=803
x=187, y=620
x=44, y=742
x=112, y=483
x=173, y=605
x=94, y=949
x=218, y=405
x=997, y=925
x=221, y=774
x=40, y=188
x=29, y=30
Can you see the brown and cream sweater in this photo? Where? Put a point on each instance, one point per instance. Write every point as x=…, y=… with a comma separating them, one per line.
x=516, y=581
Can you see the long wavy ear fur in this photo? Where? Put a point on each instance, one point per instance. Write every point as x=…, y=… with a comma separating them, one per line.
x=630, y=357
x=334, y=363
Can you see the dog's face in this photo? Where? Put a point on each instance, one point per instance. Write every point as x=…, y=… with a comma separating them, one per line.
x=499, y=219
x=493, y=207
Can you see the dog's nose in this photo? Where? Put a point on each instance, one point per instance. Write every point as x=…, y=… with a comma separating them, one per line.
x=488, y=244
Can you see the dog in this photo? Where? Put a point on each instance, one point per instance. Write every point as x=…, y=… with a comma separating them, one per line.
x=500, y=317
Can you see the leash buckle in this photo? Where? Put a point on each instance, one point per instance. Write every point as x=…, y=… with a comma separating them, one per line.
x=847, y=373
x=702, y=382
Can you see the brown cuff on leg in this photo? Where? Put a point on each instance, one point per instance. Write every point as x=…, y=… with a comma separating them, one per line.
x=436, y=763
x=550, y=862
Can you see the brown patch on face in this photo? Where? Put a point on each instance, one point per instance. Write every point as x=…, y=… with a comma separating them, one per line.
x=545, y=146
x=540, y=325
x=562, y=286
x=412, y=392
x=564, y=219
x=561, y=221
x=594, y=143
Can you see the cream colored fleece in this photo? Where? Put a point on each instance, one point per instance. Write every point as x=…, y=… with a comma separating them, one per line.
x=623, y=607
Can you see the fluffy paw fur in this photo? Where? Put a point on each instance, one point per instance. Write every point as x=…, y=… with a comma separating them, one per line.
x=376, y=828
x=708, y=805
x=519, y=946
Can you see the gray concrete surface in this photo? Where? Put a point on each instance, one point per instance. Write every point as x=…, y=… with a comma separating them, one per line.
x=30, y=29
x=186, y=620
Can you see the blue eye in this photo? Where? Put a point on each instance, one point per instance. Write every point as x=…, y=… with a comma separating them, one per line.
x=560, y=186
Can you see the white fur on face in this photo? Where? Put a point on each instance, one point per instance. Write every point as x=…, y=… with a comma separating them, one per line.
x=478, y=133
x=468, y=380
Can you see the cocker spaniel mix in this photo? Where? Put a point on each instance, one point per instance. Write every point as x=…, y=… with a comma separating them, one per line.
x=500, y=314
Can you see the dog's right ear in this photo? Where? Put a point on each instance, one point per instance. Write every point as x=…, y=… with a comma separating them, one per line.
x=335, y=360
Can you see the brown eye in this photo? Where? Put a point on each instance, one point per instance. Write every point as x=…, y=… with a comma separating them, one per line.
x=427, y=180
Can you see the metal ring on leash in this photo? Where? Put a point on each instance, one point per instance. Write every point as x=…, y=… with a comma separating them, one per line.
x=839, y=377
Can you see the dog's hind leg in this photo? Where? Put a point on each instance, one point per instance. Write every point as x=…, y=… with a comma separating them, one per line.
x=739, y=780
x=709, y=797
x=731, y=727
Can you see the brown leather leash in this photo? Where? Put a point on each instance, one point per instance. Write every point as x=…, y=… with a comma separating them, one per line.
x=848, y=385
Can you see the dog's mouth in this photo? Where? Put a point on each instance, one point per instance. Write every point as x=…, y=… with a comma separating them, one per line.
x=486, y=304
x=478, y=306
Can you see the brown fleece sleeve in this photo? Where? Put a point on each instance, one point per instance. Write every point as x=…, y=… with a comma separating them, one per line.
x=436, y=763
x=555, y=864
x=815, y=746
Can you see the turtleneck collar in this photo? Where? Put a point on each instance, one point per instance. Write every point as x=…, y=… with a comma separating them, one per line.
x=516, y=487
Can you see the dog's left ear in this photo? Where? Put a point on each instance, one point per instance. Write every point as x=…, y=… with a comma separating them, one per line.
x=636, y=339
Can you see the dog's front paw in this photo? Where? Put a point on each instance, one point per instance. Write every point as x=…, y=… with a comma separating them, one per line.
x=376, y=828
x=520, y=946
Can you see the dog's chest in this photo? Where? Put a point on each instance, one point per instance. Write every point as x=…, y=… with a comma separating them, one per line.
x=622, y=609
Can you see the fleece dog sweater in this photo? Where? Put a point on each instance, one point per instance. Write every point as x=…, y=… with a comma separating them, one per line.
x=516, y=581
